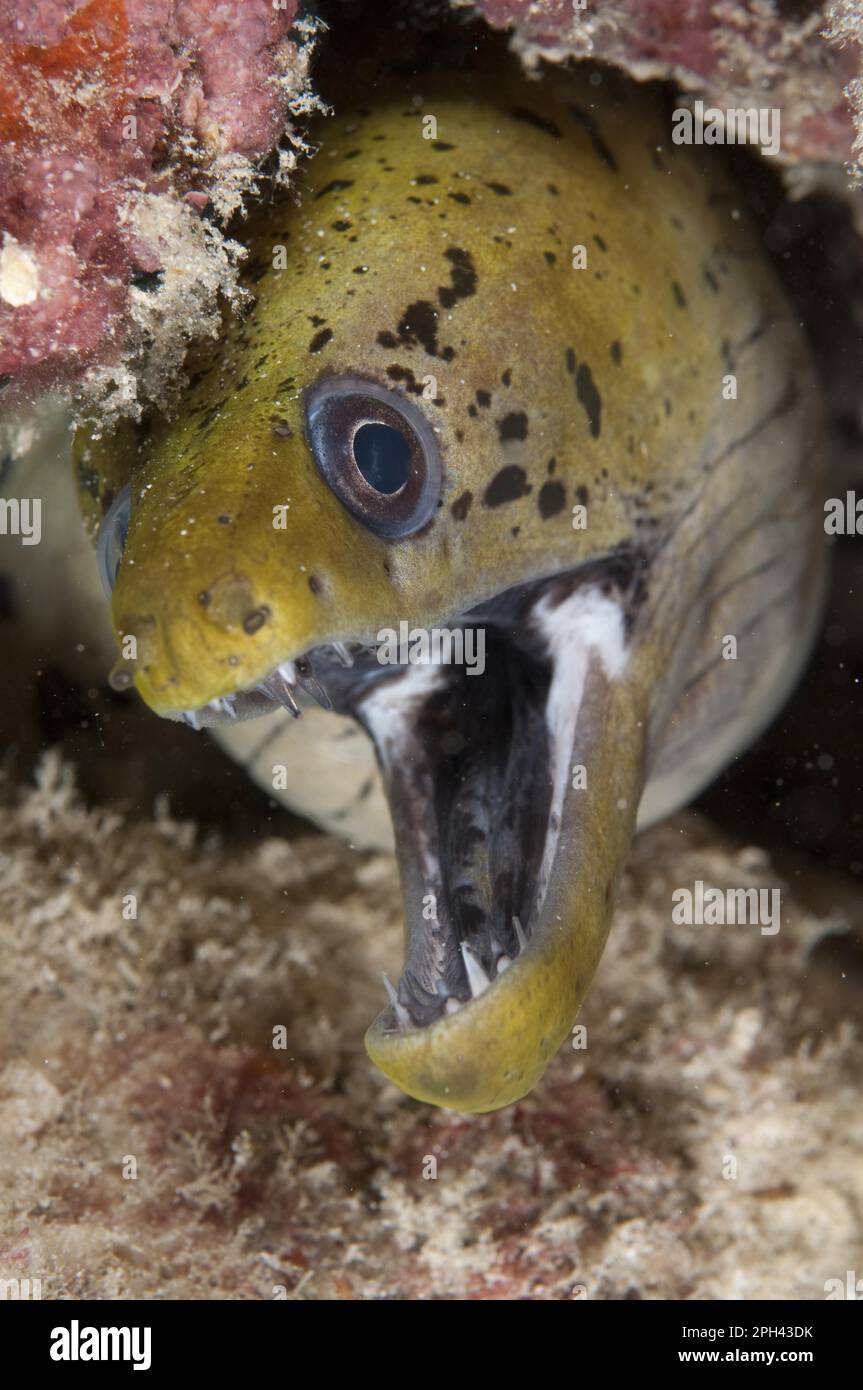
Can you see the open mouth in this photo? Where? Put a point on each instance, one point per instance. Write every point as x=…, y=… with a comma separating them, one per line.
x=478, y=767
x=468, y=763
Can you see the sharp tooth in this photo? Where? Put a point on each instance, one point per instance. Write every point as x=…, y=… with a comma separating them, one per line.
x=342, y=653
x=306, y=678
x=452, y=1006
x=278, y=688
x=285, y=696
x=192, y=719
x=223, y=706
x=476, y=976
x=503, y=963
x=316, y=690
x=519, y=935
x=288, y=672
x=399, y=1010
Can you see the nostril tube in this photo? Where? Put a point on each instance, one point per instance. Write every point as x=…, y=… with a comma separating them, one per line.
x=122, y=675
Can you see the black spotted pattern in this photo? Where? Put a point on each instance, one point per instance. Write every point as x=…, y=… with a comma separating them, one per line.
x=506, y=486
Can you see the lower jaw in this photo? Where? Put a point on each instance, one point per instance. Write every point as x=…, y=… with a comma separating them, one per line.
x=495, y=1047
x=471, y=1038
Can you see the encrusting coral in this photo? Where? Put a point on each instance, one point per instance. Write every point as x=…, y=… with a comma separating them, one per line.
x=124, y=125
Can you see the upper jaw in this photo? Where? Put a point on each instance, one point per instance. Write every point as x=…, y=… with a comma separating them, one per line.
x=283, y=685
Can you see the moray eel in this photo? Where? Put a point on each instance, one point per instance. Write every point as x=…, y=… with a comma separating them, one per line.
x=514, y=364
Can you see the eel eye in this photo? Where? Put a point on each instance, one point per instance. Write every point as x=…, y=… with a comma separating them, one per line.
x=112, y=539
x=377, y=452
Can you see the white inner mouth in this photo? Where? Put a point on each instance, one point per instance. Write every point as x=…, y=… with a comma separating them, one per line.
x=586, y=625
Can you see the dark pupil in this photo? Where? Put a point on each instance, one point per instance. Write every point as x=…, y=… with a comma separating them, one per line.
x=383, y=456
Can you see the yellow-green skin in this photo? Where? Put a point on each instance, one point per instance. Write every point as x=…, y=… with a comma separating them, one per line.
x=618, y=356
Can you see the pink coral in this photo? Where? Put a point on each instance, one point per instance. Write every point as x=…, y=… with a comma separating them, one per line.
x=103, y=99
x=739, y=53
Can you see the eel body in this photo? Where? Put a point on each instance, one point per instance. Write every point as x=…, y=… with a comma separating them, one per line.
x=514, y=363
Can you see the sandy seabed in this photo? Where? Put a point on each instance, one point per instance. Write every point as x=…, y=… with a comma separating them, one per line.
x=156, y=1144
